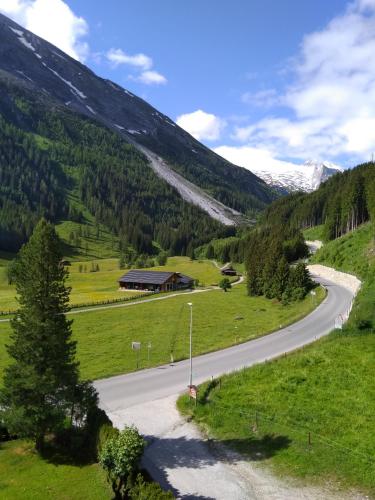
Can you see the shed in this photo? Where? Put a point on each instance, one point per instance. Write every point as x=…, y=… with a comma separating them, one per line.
x=228, y=270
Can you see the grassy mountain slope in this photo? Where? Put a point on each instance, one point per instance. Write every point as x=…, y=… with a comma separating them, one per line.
x=63, y=166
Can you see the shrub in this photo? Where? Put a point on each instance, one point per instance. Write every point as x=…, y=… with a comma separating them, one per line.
x=148, y=491
x=4, y=434
x=225, y=284
x=106, y=432
x=162, y=258
x=120, y=458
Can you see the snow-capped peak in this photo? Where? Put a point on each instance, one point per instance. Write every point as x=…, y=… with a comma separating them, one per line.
x=305, y=177
x=321, y=171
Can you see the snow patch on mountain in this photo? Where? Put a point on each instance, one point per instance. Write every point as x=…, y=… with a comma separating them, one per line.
x=75, y=91
x=306, y=177
x=90, y=109
x=20, y=34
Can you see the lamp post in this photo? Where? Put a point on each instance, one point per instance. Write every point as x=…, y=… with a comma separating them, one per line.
x=191, y=344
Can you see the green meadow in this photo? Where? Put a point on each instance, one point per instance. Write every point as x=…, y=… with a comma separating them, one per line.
x=25, y=475
x=220, y=320
x=90, y=287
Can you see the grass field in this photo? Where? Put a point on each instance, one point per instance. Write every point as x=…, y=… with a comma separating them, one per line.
x=98, y=286
x=220, y=320
x=314, y=233
x=26, y=476
x=327, y=389
x=90, y=247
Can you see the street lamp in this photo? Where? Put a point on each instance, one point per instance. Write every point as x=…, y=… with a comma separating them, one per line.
x=190, y=304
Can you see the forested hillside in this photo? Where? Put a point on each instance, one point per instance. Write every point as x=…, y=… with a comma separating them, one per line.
x=342, y=203
x=47, y=153
x=104, y=132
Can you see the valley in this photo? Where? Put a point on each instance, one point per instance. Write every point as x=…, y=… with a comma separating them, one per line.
x=221, y=320
x=186, y=297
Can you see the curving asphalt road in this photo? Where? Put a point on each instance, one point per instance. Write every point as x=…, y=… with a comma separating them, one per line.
x=124, y=391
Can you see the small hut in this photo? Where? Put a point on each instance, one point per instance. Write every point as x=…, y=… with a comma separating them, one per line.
x=228, y=270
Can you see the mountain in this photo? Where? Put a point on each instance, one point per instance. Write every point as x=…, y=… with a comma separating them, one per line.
x=341, y=204
x=306, y=177
x=40, y=84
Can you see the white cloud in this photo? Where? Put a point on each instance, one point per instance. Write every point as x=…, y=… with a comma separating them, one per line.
x=152, y=78
x=139, y=62
x=262, y=98
x=52, y=20
x=118, y=56
x=331, y=99
x=255, y=159
x=202, y=125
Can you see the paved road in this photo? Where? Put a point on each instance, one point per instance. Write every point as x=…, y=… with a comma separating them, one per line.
x=177, y=455
x=124, y=391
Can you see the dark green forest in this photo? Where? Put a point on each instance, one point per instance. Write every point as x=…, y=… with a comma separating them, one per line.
x=342, y=203
x=270, y=251
x=46, y=153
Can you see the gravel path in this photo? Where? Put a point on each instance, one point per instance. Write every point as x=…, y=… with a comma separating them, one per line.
x=314, y=245
x=194, y=467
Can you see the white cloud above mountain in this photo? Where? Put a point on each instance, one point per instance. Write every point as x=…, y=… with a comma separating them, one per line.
x=52, y=20
x=254, y=159
x=118, y=57
x=152, y=78
x=56, y=22
x=329, y=102
x=140, y=62
x=202, y=125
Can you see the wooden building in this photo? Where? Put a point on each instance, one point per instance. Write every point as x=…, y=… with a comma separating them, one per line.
x=155, y=281
x=228, y=270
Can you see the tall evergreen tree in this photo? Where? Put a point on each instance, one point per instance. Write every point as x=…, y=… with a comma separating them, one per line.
x=40, y=386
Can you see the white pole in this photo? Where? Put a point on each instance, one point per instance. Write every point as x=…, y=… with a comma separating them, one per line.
x=191, y=343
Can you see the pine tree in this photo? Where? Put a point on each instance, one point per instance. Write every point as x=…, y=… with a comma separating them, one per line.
x=210, y=252
x=40, y=386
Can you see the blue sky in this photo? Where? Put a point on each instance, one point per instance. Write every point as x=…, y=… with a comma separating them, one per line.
x=264, y=81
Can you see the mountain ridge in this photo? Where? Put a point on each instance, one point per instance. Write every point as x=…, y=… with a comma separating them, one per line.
x=39, y=66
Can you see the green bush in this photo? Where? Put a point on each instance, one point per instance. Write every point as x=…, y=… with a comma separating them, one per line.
x=120, y=458
x=106, y=432
x=148, y=491
x=4, y=434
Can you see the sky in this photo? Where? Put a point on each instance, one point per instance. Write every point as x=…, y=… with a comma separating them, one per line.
x=265, y=82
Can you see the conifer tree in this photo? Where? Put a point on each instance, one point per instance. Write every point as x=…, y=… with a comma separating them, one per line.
x=210, y=252
x=41, y=384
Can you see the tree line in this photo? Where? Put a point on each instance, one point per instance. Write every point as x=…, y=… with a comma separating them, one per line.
x=341, y=204
x=270, y=252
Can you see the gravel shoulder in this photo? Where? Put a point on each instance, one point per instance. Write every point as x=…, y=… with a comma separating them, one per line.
x=183, y=460
x=348, y=281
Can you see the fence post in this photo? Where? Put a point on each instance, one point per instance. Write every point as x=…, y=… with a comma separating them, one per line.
x=255, y=426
